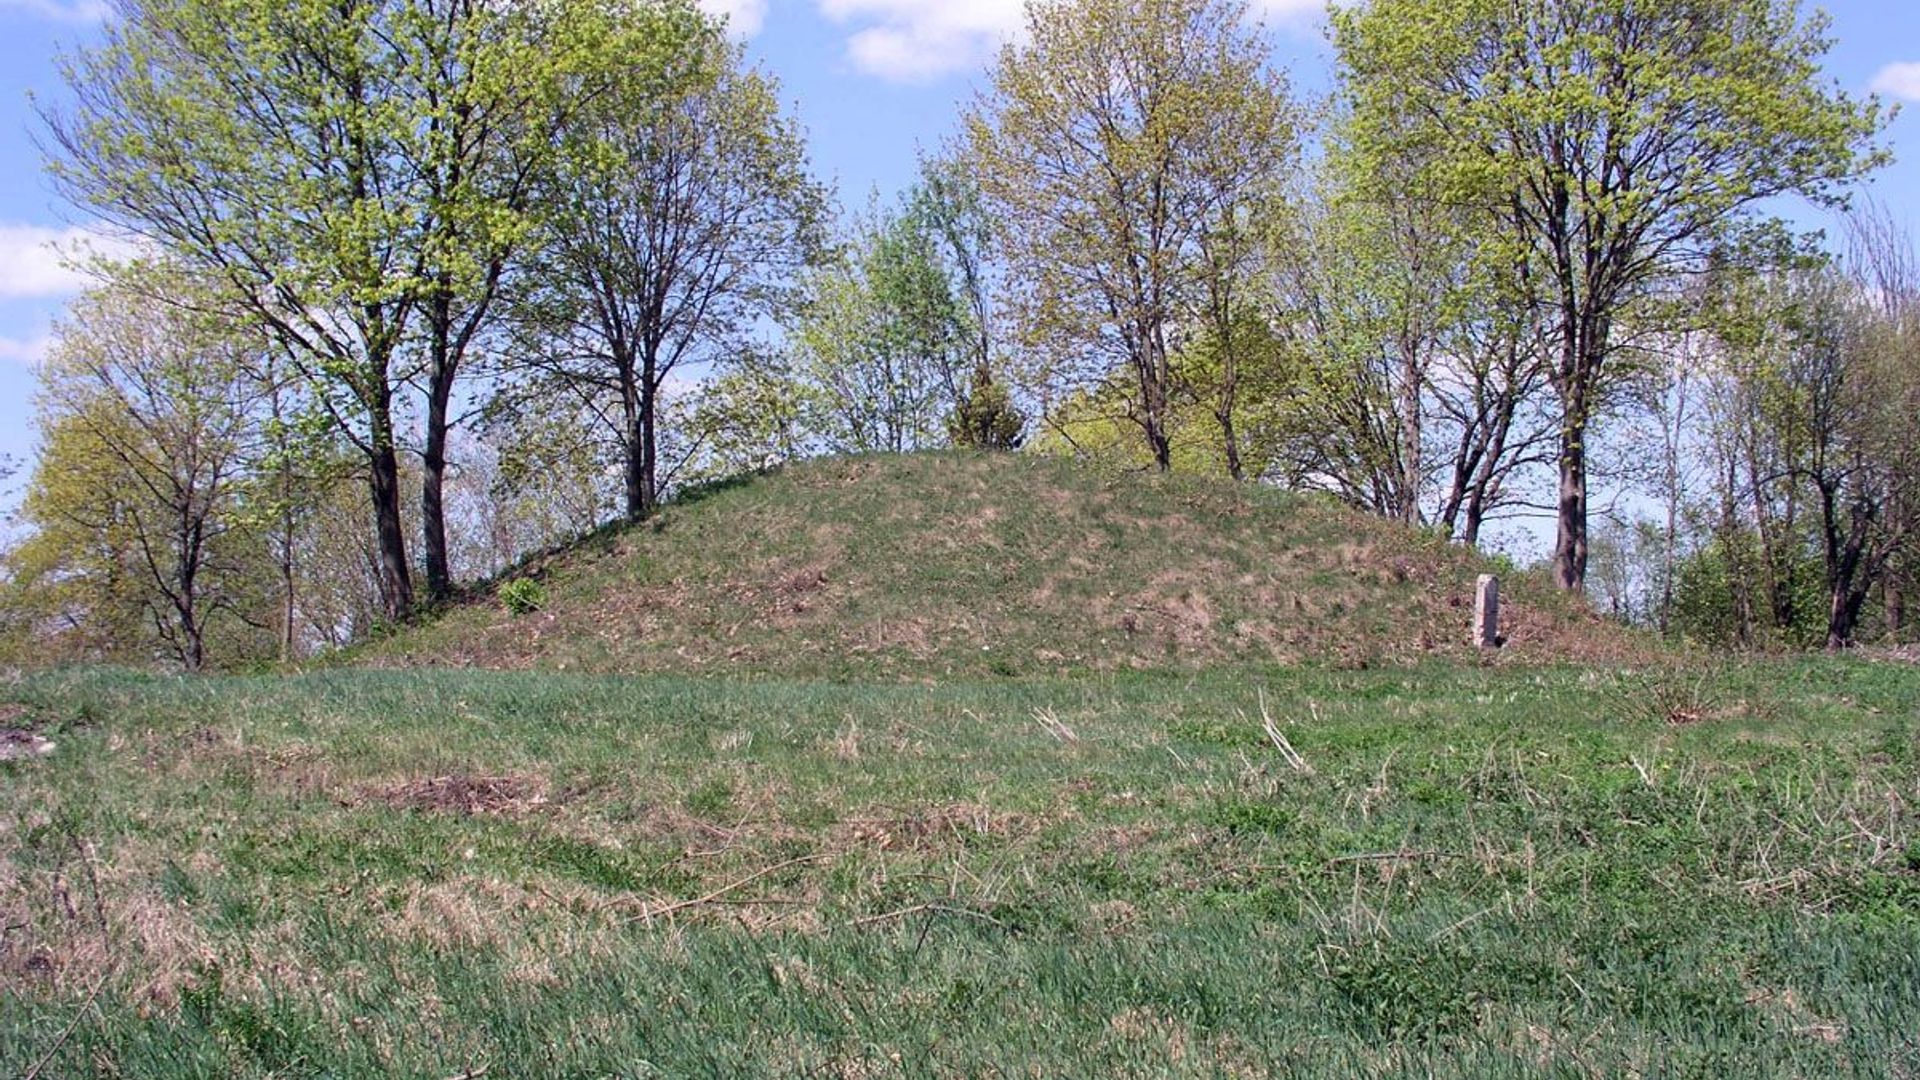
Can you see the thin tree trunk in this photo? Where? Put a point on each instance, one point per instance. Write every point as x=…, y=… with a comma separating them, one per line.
x=1570, y=544
x=1229, y=397
x=649, y=453
x=1409, y=424
x=383, y=479
x=288, y=607
x=443, y=367
x=433, y=512
x=636, y=402
x=634, y=470
x=1230, y=442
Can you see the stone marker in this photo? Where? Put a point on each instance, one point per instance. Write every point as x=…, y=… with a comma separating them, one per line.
x=1486, y=612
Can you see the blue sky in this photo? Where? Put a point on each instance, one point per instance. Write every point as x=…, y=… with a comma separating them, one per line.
x=873, y=81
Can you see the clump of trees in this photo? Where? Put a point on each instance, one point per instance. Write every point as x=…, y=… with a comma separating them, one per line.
x=433, y=285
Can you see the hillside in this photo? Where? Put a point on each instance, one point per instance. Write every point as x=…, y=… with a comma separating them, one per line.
x=955, y=564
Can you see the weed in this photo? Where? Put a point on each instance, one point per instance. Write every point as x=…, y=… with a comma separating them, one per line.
x=523, y=596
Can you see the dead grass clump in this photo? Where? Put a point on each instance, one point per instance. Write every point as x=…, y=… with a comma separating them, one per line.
x=913, y=636
x=473, y=911
x=466, y=795
x=78, y=932
x=931, y=828
x=173, y=947
x=1534, y=632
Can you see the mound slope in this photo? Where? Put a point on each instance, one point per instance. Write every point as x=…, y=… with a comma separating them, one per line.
x=953, y=564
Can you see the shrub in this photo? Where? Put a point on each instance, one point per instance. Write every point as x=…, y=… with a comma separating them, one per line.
x=987, y=419
x=523, y=596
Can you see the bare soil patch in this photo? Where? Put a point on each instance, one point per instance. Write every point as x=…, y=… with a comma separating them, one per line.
x=18, y=741
x=466, y=795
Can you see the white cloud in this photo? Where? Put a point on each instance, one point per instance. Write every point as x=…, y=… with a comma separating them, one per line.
x=744, y=17
x=922, y=40
x=919, y=40
x=74, y=11
x=1287, y=14
x=28, y=351
x=37, y=262
x=1899, y=81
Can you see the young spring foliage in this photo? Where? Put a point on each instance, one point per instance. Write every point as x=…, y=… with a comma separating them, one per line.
x=1116, y=146
x=1614, y=140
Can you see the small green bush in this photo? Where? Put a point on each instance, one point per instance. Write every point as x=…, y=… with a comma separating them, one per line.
x=523, y=596
x=987, y=419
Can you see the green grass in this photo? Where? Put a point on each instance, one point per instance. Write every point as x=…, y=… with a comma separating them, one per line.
x=1485, y=873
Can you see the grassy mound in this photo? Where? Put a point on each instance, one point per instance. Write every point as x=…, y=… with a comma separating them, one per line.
x=956, y=564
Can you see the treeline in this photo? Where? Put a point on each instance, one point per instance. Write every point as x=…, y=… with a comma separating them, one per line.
x=433, y=284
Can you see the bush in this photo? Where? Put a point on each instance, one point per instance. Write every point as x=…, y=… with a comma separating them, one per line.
x=523, y=596
x=987, y=418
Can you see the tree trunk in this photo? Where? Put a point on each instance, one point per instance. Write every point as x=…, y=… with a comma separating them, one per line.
x=1850, y=569
x=1847, y=600
x=1229, y=397
x=1150, y=360
x=1570, y=544
x=637, y=404
x=1410, y=431
x=383, y=478
x=649, y=458
x=1153, y=394
x=1230, y=442
x=1476, y=512
x=193, y=655
x=635, y=473
x=1739, y=579
x=641, y=491
x=1157, y=440
x=193, y=640
x=288, y=608
x=650, y=431
x=433, y=512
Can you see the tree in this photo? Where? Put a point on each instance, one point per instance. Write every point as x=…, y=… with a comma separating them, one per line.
x=748, y=418
x=677, y=226
x=1243, y=203
x=1813, y=401
x=945, y=207
x=1366, y=298
x=496, y=86
x=986, y=418
x=1108, y=146
x=338, y=167
x=149, y=418
x=882, y=344
x=1614, y=140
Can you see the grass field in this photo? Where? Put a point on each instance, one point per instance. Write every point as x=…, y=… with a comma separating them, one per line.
x=1460, y=872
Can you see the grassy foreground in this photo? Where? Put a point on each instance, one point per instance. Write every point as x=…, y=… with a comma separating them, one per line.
x=1473, y=873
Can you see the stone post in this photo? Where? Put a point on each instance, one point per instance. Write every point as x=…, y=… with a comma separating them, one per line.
x=1486, y=612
